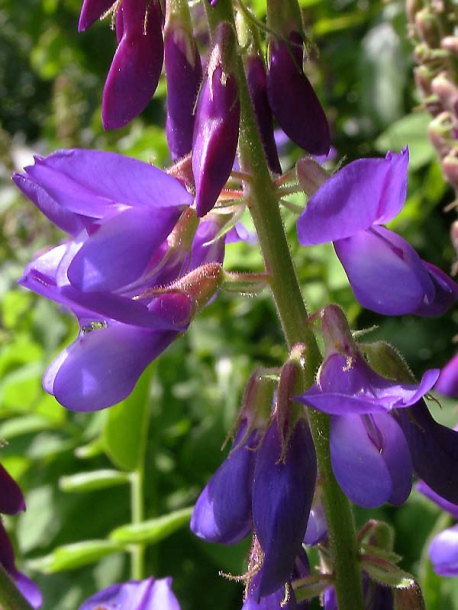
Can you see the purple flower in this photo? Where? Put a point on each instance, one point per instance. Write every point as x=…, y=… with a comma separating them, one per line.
x=183, y=70
x=257, y=85
x=11, y=498
x=447, y=383
x=216, y=126
x=137, y=63
x=28, y=588
x=433, y=448
x=266, y=484
x=91, y=11
x=149, y=594
x=299, y=113
x=370, y=455
x=385, y=272
x=443, y=550
x=133, y=283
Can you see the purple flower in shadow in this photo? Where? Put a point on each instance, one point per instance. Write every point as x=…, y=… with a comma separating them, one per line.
x=385, y=272
x=370, y=455
x=149, y=594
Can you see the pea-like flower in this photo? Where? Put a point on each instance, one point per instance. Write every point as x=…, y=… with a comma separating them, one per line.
x=133, y=283
x=385, y=272
x=148, y=594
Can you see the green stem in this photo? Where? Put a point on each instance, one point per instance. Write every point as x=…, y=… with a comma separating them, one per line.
x=292, y=312
x=10, y=597
x=137, y=516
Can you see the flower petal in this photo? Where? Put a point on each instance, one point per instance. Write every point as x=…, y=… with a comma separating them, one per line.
x=386, y=274
x=443, y=552
x=11, y=498
x=223, y=510
x=136, y=65
x=102, y=367
x=118, y=251
x=433, y=448
x=283, y=490
x=361, y=194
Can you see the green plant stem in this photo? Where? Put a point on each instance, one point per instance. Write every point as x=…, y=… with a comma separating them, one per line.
x=292, y=312
x=10, y=597
x=137, y=516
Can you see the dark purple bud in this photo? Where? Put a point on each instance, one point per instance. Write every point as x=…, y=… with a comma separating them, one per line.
x=433, y=448
x=183, y=70
x=284, y=483
x=137, y=63
x=216, y=125
x=91, y=11
x=223, y=511
x=299, y=112
x=11, y=498
x=257, y=85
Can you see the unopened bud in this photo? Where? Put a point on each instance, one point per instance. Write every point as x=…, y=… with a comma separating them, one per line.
x=409, y=598
x=450, y=169
x=423, y=78
x=427, y=27
x=440, y=133
x=412, y=8
x=450, y=44
x=200, y=285
x=337, y=335
x=446, y=91
x=311, y=175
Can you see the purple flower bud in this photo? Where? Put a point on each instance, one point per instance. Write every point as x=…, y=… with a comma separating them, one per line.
x=149, y=594
x=216, y=125
x=137, y=63
x=299, y=113
x=223, y=511
x=91, y=11
x=447, y=383
x=257, y=85
x=443, y=552
x=183, y=70
x=11, y=498
x=283, y=487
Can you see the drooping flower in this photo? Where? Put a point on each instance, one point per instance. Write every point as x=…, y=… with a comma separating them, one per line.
x=265, y=485
x=148, y=594
x=122, y=274
x=369, y=453
x=299, y=113
x=137, y=63
x=385, y=272
x=183, y=70
x=443, y=550
x=12, y=502
x=216, y=126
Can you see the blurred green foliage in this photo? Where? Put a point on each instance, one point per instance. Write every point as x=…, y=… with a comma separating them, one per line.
x=51, y=79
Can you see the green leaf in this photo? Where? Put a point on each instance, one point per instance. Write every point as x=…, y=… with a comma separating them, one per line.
x=153, y=530
x=89, y=481
x=411, y=130
x=126, y=428
x=73, y=556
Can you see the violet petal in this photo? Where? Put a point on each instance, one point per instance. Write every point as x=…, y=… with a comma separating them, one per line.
x=361, y=194
x=283, y=490
x=443, y=552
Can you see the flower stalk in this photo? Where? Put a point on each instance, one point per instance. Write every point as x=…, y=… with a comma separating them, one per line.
x=292, y=312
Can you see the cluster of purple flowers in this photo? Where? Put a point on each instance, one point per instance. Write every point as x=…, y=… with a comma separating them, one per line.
x=11, y=503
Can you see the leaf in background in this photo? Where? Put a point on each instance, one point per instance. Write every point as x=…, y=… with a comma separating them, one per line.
x=126, y=428
x=88, y=481
x=153, y=530
x=73, y=556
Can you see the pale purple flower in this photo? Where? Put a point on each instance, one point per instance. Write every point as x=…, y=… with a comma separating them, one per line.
x=385, y=272
x=148, y=594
